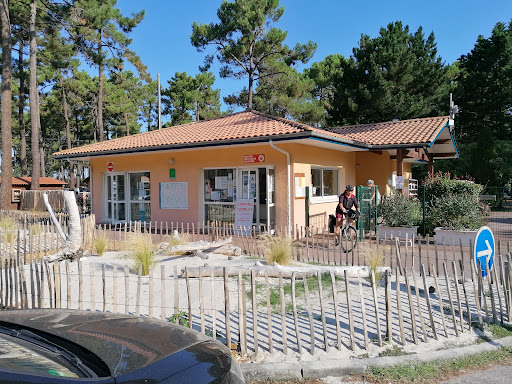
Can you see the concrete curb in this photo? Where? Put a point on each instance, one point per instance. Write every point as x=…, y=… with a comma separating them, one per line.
x=343, y=367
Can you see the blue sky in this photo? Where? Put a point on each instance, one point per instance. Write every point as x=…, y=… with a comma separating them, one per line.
x=162, y=39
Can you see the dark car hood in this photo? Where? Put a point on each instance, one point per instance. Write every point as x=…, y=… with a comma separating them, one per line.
x=125, y=343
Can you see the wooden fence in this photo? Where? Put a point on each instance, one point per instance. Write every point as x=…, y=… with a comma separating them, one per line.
x=300, y=313
x=33, y=200
x=433, y=291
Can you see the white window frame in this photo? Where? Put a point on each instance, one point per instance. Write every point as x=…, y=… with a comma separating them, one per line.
x=327, y=198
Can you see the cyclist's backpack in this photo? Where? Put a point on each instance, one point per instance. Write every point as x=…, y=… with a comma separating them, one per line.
x=332, y=223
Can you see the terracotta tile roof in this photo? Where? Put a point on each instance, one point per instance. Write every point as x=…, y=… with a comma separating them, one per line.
x=43, y=180
x=252, y=125
x=17, y=182
x=414, y=131
x=242, y=125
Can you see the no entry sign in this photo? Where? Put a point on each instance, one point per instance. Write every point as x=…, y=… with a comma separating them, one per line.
x=110, y=166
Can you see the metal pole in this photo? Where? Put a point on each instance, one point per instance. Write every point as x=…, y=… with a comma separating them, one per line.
x=159, y=105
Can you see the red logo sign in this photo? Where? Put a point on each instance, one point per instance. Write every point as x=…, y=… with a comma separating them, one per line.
x=110, y=166
x=254, y=158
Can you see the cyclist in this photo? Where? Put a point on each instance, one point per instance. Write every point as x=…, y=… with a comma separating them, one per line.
x=346, y=202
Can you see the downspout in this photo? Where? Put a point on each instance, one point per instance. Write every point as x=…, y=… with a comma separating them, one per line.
x=288, y=184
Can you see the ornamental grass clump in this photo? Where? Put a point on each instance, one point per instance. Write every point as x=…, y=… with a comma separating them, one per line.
x=400, y=211
x=142, y=251
x=374, y=258
x=277, y=249
x=8, y=227
x=100, y=244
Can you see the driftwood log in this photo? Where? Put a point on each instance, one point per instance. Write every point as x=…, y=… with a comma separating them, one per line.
x=276, y=269
x=73, y=240
x=203, y=248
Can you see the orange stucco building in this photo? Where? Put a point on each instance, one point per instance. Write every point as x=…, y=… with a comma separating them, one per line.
x=204, y=171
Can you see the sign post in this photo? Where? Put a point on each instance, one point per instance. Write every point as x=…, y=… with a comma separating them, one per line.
x=484, y=249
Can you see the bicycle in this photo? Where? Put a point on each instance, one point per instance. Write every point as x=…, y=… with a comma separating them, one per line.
x=348, y=234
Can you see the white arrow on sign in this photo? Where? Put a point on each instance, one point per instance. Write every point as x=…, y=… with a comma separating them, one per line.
x=485, y=252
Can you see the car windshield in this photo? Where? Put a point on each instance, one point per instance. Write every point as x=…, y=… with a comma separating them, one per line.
x=19, y=355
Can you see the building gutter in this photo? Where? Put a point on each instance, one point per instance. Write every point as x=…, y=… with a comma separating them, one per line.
x=288, y=186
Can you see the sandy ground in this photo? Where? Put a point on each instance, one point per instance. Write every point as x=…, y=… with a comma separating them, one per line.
x=109, y=284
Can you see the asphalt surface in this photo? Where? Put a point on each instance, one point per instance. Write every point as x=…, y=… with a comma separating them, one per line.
x=501, y=374
x=336, y=369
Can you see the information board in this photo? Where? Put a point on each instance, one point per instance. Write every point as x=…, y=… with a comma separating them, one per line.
x=173, y=195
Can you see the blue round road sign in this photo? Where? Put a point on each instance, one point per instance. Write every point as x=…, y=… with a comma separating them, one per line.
x=484, y=249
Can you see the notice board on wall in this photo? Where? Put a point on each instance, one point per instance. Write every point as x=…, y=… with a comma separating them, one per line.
x=173, y=195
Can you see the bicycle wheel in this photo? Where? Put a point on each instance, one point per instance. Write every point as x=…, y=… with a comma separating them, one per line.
x=348, y=239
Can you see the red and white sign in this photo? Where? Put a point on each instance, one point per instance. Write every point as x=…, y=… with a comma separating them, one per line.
x=110, y=166
x=254, y=158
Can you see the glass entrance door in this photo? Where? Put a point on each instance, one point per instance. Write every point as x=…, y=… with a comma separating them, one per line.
x=116, y=206
x=258, y=184
x=249, y=190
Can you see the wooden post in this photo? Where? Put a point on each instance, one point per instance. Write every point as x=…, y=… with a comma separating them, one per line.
x=429, y=305
x=163, y=290
x=242, y=314
x=363, y=312
x=139, y=284
x=457, y=291
x=399, y=164
x=254, y=311
x=295, y=318
x=350, y=316
x=284, y=334
x=189, y=297
x=336, y=311
x=269, y=314
x=227, y=309
x=440, y=300
x=452, y=309
x=214, y=309
x=411, y=309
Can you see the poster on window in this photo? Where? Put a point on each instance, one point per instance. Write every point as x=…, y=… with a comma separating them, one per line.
x=243, y=215
x=300, y=186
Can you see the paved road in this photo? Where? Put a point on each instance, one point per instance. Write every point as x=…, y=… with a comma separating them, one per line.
x=500, y=374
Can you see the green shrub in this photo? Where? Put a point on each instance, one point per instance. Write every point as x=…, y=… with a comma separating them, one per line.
x=399, y=211
x=142, y=251
x=278, y=249
x=452, y=203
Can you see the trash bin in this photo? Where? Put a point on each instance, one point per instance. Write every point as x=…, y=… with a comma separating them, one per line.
x=332, y=223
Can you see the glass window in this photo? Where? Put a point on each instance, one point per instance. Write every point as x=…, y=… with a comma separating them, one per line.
x=140, y=211
x=220, y=185
x=324, y=181
x=139, y=186
x=217, y=212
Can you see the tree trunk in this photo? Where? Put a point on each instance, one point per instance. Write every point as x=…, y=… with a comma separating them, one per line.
x=42, y=157
x=100, y=90
x=33, y=95
x=68, y=132
x=21, y=114
x=251, y=81
x=127, y=124
x=5, y=185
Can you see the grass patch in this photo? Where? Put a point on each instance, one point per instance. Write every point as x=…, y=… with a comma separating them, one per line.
x=434, y=371
x=498, y=331
x=278, y=249
x=142, y=251
x=395, y=350
x=100, y=244
x=9, y=227
x=374, y=258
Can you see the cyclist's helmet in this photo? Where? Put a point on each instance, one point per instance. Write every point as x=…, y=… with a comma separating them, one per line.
x=349, y=187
